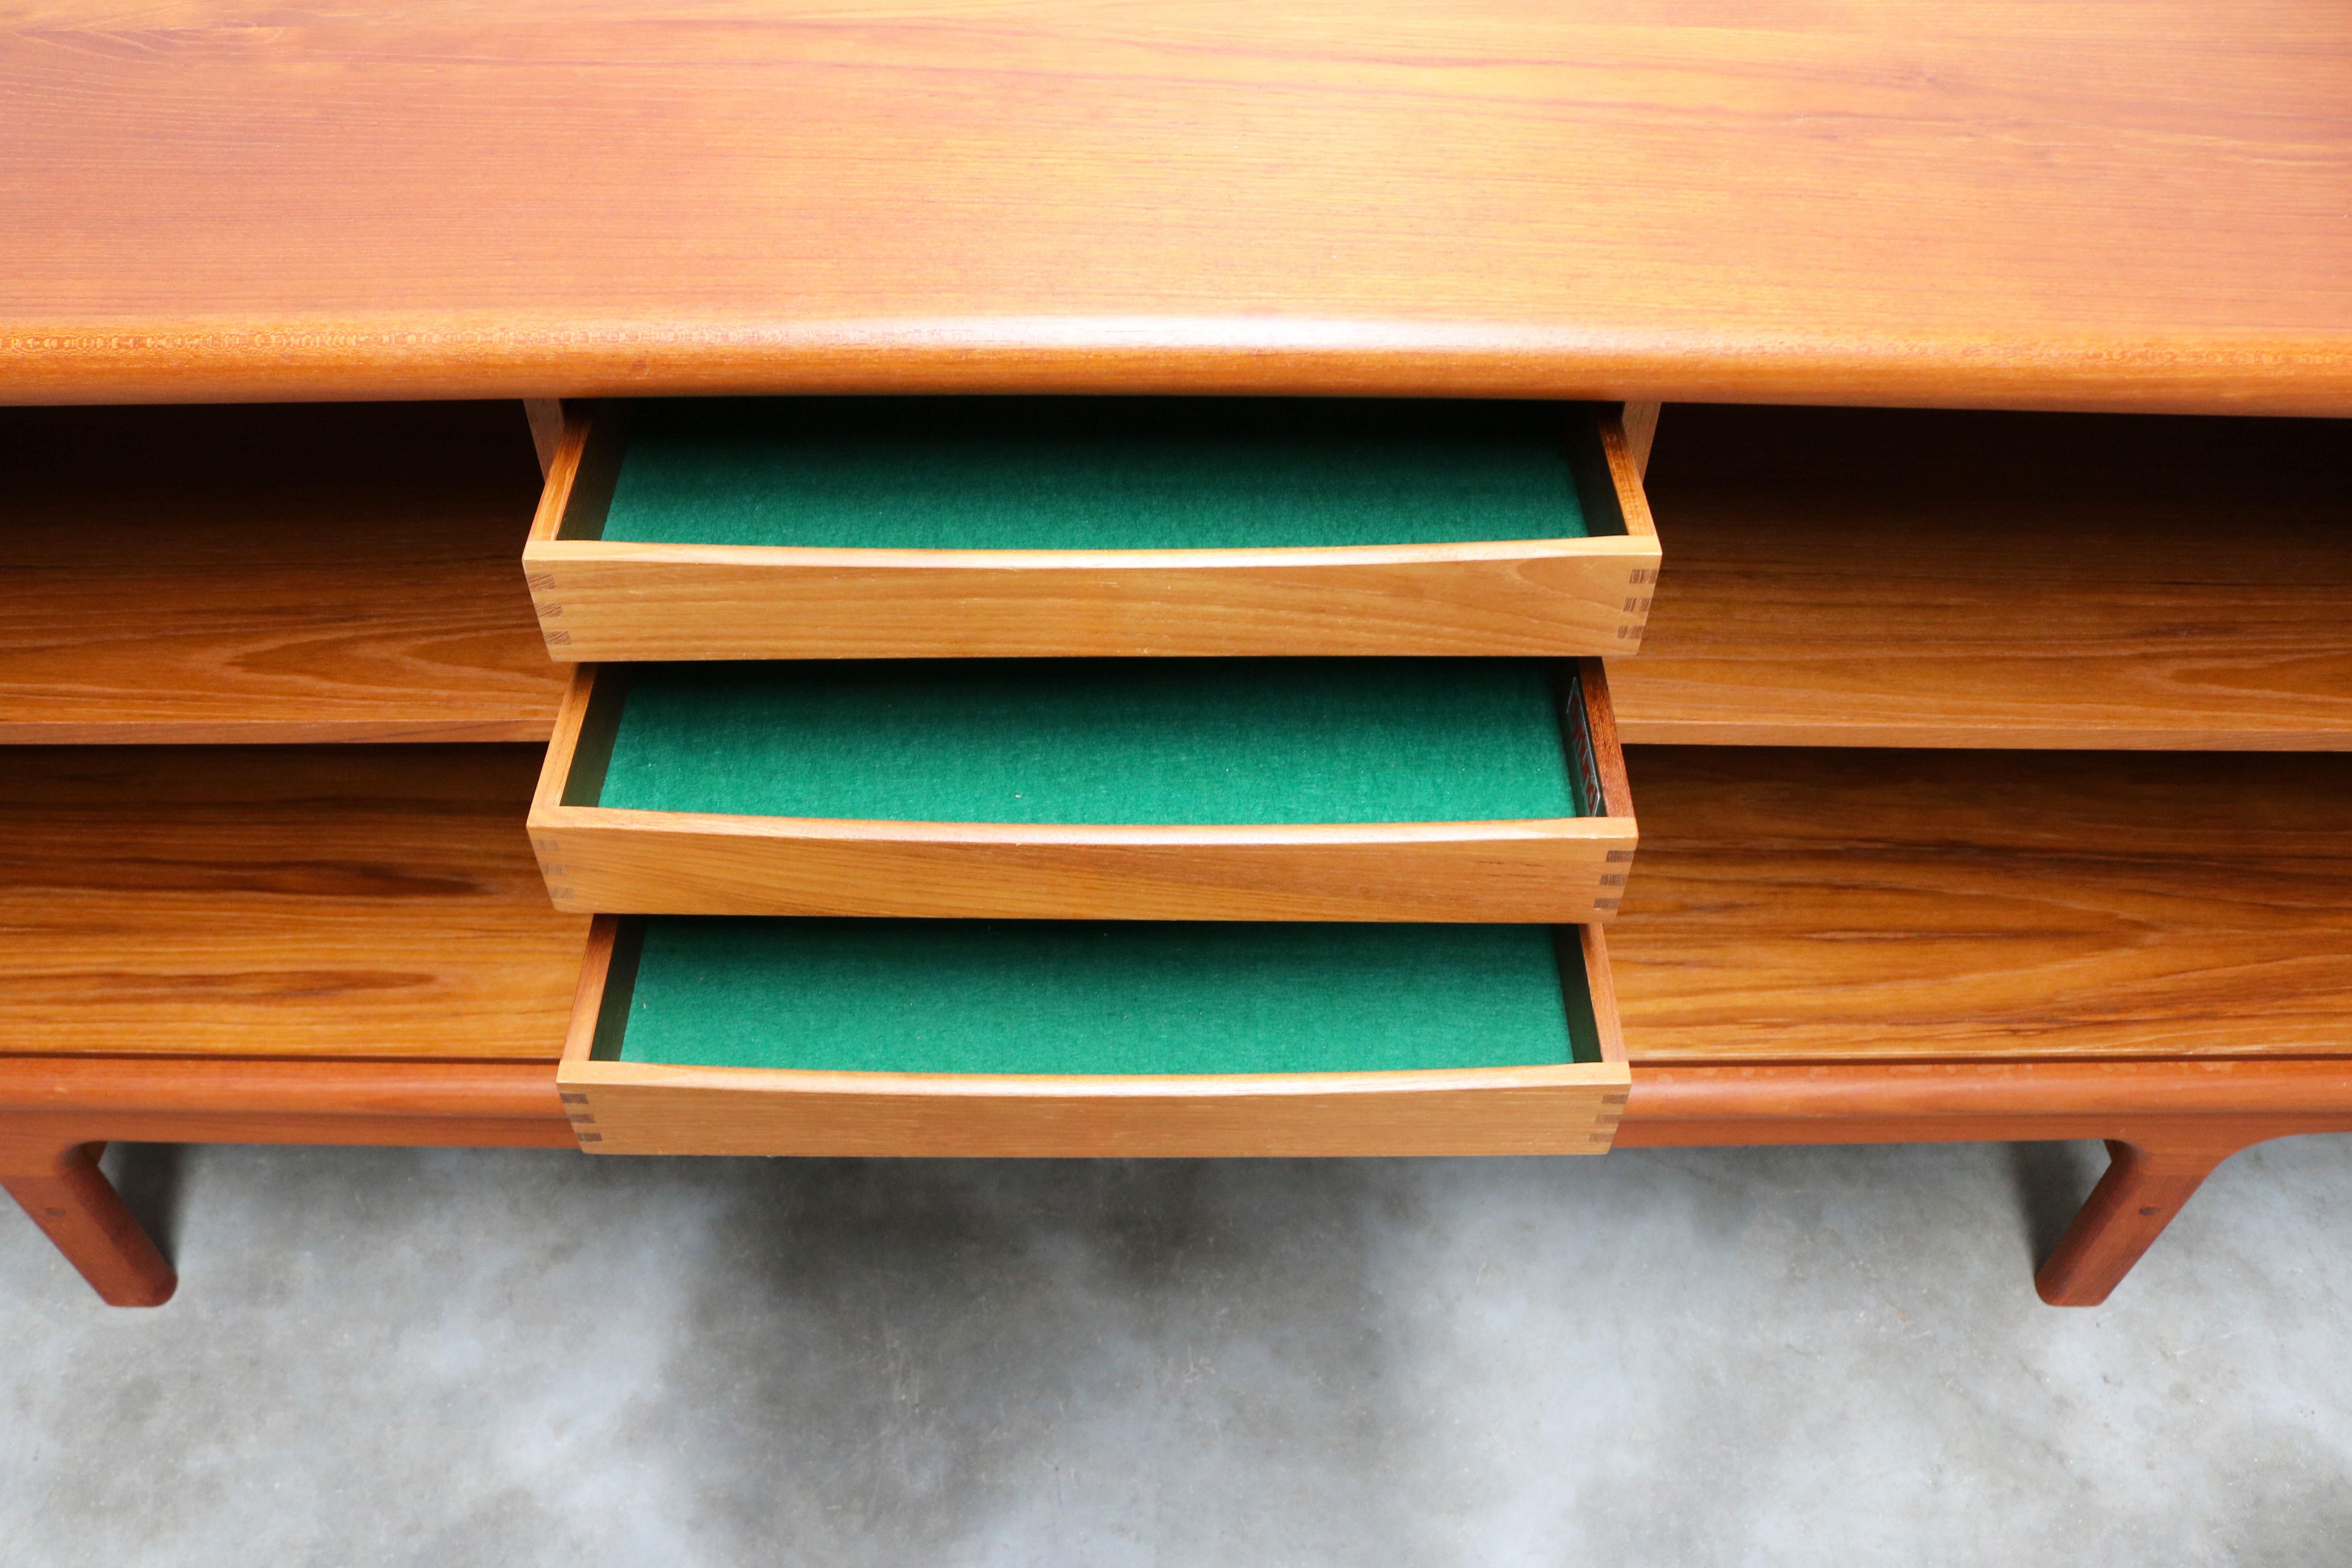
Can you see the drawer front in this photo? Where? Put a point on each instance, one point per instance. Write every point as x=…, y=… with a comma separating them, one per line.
x=1504, y=871
x=611, y=600
x=625, y=1107
x=1564, y=870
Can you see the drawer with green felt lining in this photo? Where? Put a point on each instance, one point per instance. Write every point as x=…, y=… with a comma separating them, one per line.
x=1082, y=1039
x=1026, y=527
x=1338, y=789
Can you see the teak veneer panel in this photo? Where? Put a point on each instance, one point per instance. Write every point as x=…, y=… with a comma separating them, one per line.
x=2055, y=204
x=265, y=902
x=283, y=573
x=1848, y=905
x=612, y=601
x=1859, y=577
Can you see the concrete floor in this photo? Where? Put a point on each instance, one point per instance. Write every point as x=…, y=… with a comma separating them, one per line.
x=1751, y=1356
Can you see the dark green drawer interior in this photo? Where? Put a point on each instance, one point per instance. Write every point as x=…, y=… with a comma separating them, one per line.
x=1232, y=741
x=1044, y=996
x=1069, y=473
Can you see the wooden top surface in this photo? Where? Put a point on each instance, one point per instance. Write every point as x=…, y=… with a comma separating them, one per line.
x=1873, y=577
x=1851, y=905
x=2115, y=204
x=280, y=573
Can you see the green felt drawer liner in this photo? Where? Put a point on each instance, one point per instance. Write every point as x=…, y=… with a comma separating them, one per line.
x=1085, y=997
x=1129, y=742
x=1031, y=473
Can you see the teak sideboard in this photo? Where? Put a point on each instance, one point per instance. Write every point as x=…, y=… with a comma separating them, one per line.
x=1960, y=676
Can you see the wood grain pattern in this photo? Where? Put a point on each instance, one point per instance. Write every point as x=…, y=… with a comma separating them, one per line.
x=598, y=858
x=615, y=602
x=268, y=574
x=630, y=602
x=717, y=1110
x=1844, y=906
x=692, y=863
x=2072, y=204
x=1853, y=577
x=362, y=901
x=1686, y=1105
x=115, y=1094
x=634, y=1108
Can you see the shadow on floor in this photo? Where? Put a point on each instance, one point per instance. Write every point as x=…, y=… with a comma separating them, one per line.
x=2051, y=1181
x=148, y=1177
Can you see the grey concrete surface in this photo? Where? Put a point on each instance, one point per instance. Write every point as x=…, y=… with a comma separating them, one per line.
x=1673, y=1357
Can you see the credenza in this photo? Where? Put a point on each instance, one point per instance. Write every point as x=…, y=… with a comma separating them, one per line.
x=1984, y=684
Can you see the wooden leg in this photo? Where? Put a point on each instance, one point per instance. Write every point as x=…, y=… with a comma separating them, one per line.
x=2125, y=1214
x=84, y=1215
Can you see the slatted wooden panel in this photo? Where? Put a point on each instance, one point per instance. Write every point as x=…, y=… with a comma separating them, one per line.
x=1861, y=577
x=332, y=900
x=1844, y=905
x=276, y=573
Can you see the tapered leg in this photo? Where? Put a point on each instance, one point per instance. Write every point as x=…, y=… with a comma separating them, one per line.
x=83, y=1214
x=2130, y=1208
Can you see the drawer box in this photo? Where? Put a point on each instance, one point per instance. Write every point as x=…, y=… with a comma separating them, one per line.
x=1487, y=790
x=1029, y=1038
x=953, y=528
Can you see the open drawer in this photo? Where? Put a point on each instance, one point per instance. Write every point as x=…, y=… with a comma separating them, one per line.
x=1029, y=1038
x=1017, y=527
x=1343, y=789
